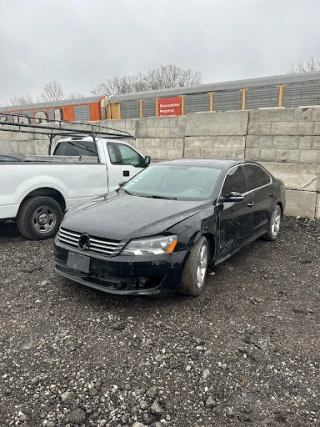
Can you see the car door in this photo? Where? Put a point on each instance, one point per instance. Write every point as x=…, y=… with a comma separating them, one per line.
x=235, y=218
x=131, y=161
x=261, y=187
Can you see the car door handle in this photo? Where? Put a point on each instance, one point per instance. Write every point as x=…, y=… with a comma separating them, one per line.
x=250, y=204
x=271, y=194
x=126, y=173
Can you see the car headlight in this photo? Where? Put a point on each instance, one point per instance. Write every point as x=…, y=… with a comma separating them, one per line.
x=151, y=246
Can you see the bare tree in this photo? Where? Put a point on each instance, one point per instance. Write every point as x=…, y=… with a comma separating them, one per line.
x=52, y=91
x=164, y=77
x=306, y=65
x=21, y=100
x=169, y=76
x=100, y=89
x=75, y=96
x=116, y=85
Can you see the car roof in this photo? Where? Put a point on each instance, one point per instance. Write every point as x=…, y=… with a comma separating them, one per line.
x=209, y=163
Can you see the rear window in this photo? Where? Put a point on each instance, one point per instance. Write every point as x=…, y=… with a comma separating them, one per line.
x=75, y=148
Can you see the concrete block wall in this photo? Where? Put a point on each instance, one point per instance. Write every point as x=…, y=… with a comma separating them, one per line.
x=285, y=141
x=17, y=143
x=302, y=182
x=284, y=135
x=216, y=134
x=162, y=138
x=125, y=125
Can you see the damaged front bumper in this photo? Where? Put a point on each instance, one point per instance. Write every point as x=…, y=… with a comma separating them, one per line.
x=123, y=275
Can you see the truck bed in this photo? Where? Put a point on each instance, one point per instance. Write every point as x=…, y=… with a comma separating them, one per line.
x=76, y=182
x=61, y=159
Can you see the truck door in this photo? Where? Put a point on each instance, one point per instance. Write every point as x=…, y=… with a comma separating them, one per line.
x=114, y=167
x=131, y=161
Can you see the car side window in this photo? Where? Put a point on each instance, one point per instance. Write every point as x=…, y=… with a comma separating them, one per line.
x=130, y=156
x=235, y=181
x=112, y=153
x=256, y=176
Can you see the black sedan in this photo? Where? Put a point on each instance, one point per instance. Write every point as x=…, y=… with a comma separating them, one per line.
x=158, y=233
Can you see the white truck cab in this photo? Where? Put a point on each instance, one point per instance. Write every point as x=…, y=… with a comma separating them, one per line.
x=39, y=190
x=122, y=160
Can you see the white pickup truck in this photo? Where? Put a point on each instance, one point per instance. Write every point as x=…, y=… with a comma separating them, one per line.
x=36, y=193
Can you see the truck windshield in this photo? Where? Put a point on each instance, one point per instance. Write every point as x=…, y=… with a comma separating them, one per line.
x=181, y=182
x=75, y=148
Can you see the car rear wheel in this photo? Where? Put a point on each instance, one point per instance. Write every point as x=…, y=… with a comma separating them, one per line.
x=274, y=224
x=195, y=271
x=39, y=218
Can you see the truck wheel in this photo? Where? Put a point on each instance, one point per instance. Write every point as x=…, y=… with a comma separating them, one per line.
x=39, y=218
x=195, y=271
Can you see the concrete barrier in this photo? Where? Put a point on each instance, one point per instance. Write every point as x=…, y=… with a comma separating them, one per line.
x=217, y=123
x=285, y=141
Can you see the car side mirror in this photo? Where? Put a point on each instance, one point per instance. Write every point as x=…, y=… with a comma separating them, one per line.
x=234, y=196
x=147, y=160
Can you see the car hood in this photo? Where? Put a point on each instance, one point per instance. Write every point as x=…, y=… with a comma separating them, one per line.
x=120, y=216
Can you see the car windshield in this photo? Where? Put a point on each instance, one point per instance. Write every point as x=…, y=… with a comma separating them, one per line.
x=181, y=182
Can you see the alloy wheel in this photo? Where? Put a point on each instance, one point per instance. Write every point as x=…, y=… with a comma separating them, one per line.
x=275, y=221
x=202, y=265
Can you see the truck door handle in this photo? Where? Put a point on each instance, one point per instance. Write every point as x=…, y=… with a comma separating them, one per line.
x=250, y=204
x=126, y=173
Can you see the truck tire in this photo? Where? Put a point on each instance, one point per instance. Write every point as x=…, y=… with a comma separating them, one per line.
x=195, y=270
x=39, y=218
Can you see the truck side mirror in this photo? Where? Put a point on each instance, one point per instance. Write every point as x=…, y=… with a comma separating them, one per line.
x=147, y=160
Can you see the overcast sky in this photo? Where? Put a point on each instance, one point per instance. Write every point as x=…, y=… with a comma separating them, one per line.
x=81, y=43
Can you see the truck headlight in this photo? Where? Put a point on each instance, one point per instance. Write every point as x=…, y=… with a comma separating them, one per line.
x=151, y=246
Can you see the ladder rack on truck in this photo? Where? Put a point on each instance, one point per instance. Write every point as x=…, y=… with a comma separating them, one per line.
x=63, y=128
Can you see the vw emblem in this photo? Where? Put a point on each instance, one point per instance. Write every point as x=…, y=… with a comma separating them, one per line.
x=84, y=242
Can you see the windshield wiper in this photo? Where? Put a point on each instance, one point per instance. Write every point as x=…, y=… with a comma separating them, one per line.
x=147, y=196
x=126, y=191
x=164, y=197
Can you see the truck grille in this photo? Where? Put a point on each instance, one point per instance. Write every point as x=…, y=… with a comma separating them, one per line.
x=96, y=244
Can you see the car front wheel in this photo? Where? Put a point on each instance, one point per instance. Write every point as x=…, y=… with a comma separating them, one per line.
x=195, y=270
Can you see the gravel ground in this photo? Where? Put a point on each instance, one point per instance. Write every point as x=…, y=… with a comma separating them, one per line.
x=245, y=352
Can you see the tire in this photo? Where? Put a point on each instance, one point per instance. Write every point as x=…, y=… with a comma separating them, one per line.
x=274, y=224
x=193, y=279
x=39, y=218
